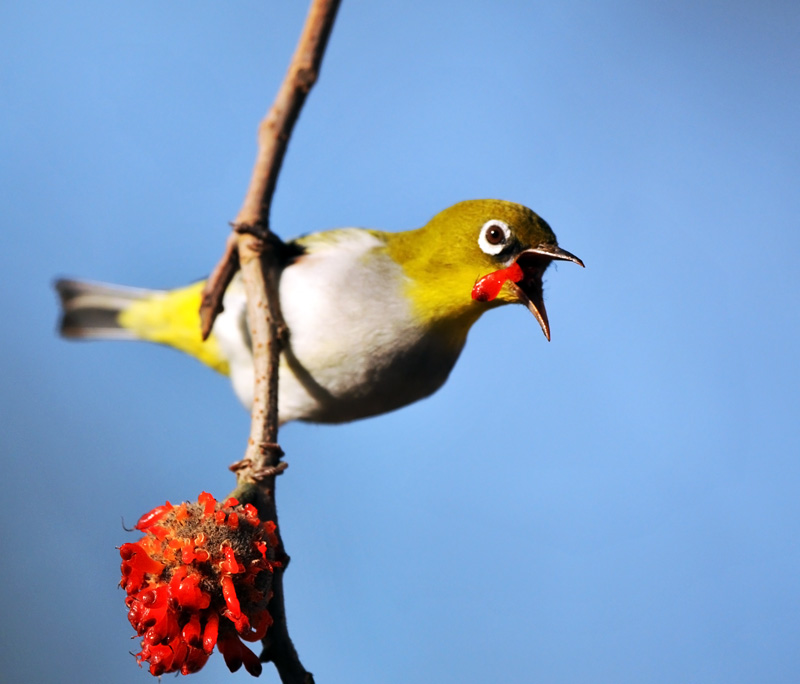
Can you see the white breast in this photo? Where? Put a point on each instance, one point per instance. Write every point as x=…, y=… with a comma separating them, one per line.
x=355, y=347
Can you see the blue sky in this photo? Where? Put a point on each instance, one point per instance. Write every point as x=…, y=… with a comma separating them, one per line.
x=619, y=505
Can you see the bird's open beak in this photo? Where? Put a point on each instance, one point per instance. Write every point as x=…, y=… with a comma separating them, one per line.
x=533, y=263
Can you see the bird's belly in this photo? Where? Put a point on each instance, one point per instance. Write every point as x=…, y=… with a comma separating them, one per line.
x=358, y=353
x=362, y=381
x=355, y=346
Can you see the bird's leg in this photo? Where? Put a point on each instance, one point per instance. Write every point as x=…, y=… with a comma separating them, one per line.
x=257, y=229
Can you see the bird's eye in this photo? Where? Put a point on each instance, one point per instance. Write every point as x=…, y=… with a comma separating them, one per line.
x=494, y=236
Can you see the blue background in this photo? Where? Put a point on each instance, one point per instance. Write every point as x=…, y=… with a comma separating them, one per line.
x=620, y=505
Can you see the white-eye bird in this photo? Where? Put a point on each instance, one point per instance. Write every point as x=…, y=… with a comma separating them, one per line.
x=376, y=320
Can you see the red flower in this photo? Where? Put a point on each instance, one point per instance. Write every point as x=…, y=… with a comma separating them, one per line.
x=200, y=577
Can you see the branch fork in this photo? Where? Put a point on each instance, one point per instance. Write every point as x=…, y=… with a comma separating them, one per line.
x=250, y=249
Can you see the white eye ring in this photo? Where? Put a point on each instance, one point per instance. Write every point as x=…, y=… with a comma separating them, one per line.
x=488, y=237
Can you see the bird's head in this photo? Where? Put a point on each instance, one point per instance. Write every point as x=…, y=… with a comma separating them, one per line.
x=478, y=254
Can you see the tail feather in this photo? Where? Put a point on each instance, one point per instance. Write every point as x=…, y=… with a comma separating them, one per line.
x=91, y=310
x=98, y=311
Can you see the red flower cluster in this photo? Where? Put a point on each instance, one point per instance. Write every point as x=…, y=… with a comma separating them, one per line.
x=200, y=577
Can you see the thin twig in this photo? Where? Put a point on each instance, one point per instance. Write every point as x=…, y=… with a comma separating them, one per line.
x=256, y=257
x=273, y=138
x=259, y=270
x=217, y=283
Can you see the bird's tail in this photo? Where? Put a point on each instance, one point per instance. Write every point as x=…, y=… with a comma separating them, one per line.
x=98, y=311
x=92, y=310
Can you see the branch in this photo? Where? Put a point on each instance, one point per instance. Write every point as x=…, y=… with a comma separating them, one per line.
x=217, y=283
x=252, y=251
x=273, y=138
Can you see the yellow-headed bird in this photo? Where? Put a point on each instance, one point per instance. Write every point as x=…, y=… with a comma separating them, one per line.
x=376, y=320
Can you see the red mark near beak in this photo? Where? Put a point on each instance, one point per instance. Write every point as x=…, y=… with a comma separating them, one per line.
x=487, y=288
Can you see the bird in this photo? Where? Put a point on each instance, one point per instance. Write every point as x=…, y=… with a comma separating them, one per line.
x=376, y=320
